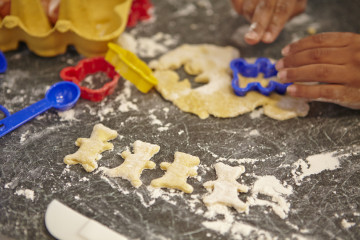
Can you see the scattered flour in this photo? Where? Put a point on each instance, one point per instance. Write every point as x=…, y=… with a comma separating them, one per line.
x=147, y=47
x=185, y=11
x=238, y=161
x=257, y=113
x=23, y=136
x=254, y=133
x=68, y=115
x=27, y=193
x=272, y=187
x=345, y=224
x=314, y=164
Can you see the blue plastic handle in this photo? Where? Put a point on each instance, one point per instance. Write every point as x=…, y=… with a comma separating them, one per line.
x=62, y=96
x=3, y=64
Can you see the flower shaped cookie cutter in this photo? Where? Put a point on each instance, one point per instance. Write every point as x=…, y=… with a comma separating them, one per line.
x=87, y=67
x=3, y=63
x=251, y=70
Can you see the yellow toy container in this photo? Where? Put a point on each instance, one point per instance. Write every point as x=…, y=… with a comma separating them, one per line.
x=89, y=25
x=130, y=67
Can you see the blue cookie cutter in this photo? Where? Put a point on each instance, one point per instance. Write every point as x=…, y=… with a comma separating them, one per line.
x=251, y=70
x=3, y=64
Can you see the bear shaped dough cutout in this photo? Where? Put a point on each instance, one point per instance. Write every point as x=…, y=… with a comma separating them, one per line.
x=90, y=148
x=135, y=163
x=177, y=173
x=226, y=188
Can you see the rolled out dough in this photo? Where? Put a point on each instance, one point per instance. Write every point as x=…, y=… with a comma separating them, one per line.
x=210, y=64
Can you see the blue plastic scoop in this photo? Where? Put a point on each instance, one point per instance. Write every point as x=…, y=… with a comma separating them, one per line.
x=61, y=96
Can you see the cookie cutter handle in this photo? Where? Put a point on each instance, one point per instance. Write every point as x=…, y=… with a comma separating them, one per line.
x=17, y=119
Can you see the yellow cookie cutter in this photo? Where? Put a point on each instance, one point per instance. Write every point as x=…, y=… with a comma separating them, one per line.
x=129, y=66
x=89, y=25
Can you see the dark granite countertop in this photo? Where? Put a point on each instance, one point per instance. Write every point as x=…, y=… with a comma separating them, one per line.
x=31, y=157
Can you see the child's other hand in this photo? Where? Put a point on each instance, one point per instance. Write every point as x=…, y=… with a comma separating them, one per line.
x=331, y=60
x=268, y=17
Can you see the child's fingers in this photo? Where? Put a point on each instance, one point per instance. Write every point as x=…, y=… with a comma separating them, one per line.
x=321, y=40
x=299, y=7
x=326, y=73
x=336, y=56
x=261, y=18
x=282, y=12
x=238, y=5
x=339, y=94
x=249, y=7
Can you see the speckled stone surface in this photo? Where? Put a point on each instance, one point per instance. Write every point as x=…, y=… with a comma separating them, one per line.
x=31, y=157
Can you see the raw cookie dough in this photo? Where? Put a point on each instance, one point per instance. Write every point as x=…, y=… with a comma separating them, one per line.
x=226, y=188
x=134, y=164
x=216, y=97
x=178, y=172
x=90, y=148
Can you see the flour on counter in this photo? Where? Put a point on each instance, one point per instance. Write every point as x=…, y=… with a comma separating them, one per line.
x=272, y=187
x=314, y=164
x=254, y=133
x=257, y=113
x=185, y=11
x=27, y=193
x=23, y=136
x=345, y=224
x=147, y=47
x=68, y=115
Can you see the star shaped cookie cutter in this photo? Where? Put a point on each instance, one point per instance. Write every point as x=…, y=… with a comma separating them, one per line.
x=3, y=63
x=87, y=67
x=251, y=70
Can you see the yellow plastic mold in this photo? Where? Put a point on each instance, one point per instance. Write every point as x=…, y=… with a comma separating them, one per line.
x=89, y=25
x=129, y=66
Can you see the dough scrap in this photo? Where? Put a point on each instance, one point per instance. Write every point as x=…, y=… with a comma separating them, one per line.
x=178, y=172
x=134, y=164
x=216, y=97
x=226, y=188
x=90, y=148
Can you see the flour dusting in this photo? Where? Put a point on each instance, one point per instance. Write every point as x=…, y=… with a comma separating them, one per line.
x=272, y=187
x=345, y=224
x=147, y=47
x=314, y=164
x=68, y=115
x=27, y=193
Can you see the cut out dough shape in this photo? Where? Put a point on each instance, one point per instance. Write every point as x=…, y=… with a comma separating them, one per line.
x=134, y=164
x=90, y=148
x=211, y=65
x=226, y=188
x=177, y=173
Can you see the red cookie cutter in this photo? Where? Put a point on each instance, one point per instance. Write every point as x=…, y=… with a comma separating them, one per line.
x=139, y=12
x=87, y=67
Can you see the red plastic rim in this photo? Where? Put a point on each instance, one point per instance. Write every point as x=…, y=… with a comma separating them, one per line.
x=87, y=67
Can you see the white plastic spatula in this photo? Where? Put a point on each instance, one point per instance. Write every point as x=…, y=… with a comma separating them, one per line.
x=66, y=224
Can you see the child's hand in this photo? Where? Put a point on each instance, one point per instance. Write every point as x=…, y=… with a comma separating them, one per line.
x=332, y=60
x=268, y=17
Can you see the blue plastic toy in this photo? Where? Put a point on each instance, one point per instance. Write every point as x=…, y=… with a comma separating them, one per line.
x=61, y=96
x=3, y=64
x=251, y=70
